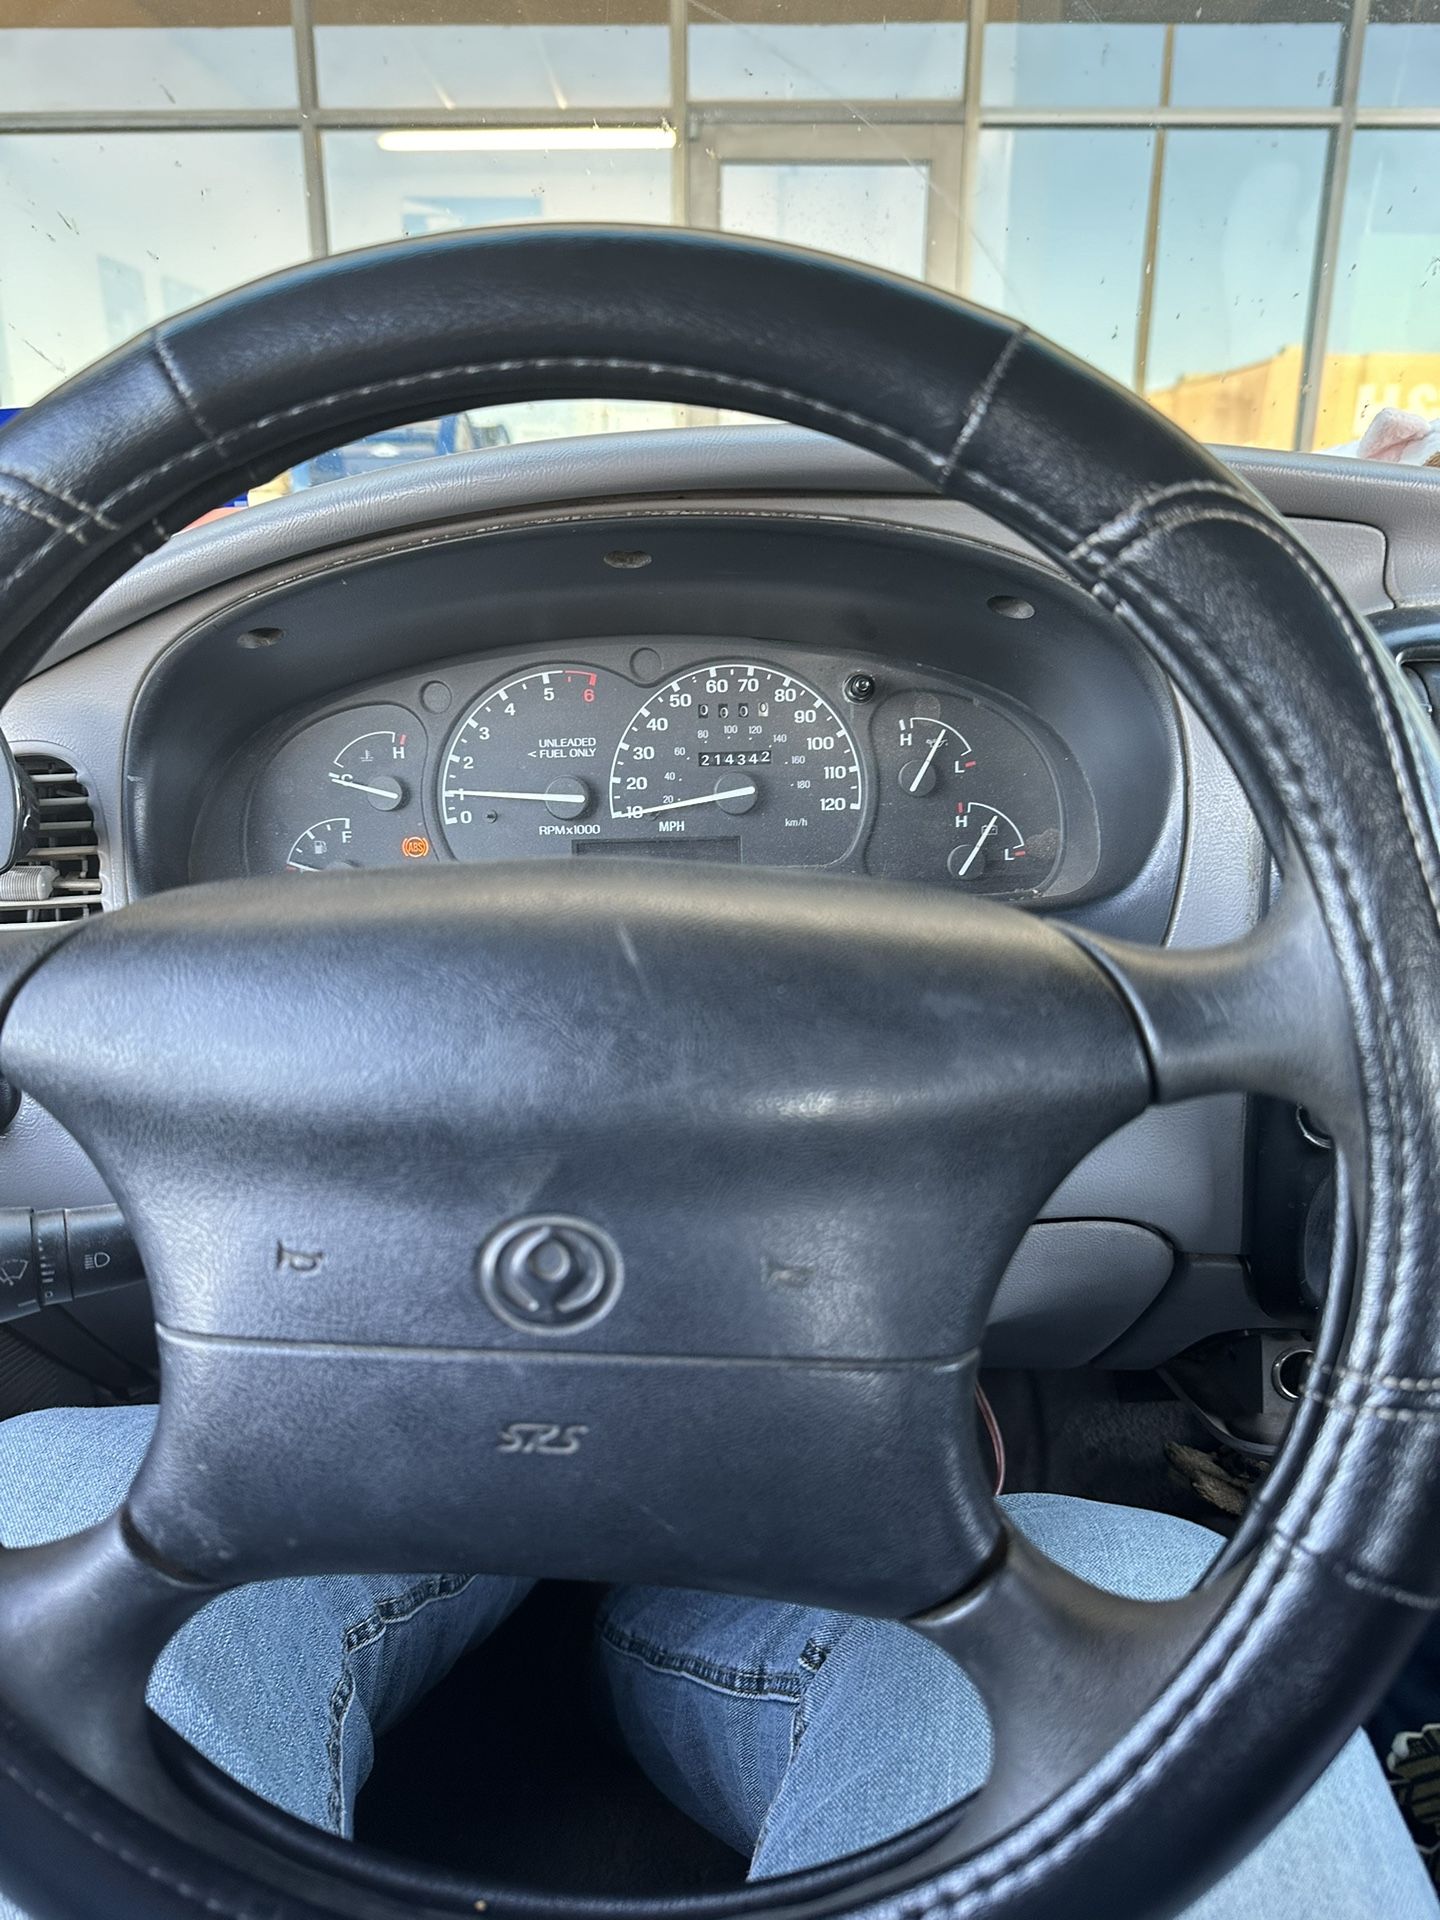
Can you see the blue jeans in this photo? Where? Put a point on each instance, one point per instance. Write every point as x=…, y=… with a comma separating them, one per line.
x=795, y=1734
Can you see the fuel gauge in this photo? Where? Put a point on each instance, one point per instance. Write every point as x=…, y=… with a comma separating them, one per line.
x=341, y=792
x=326, y=844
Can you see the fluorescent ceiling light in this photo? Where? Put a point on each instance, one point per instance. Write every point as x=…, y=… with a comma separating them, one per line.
x=526, y=139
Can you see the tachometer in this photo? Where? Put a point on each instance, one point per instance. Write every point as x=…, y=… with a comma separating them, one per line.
x=745, y=754
x=523, y=770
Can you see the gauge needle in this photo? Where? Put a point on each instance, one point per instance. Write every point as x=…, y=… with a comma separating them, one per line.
x=700, y=800
x=358, y=786
x=970, y=857
x=496, y=793
x=925, y=765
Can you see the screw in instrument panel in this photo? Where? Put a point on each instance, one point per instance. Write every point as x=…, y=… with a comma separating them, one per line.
x=860, y=686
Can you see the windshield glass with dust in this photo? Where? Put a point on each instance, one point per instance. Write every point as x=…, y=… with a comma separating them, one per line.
x=1233, y=206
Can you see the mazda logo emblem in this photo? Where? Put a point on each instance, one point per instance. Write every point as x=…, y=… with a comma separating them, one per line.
x=549, y=1273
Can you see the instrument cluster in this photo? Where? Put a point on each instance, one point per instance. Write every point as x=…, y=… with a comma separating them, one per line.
x=746, y=752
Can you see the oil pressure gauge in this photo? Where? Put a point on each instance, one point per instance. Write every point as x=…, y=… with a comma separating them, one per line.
x=968, y=798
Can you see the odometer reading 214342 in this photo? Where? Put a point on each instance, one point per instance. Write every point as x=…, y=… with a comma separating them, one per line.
x=741, y=751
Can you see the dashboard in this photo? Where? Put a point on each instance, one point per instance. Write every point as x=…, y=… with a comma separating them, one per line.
x=677, y=751
x=751, y=646
x=675, y=681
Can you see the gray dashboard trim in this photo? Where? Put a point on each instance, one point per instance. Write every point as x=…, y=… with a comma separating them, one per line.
x=1403, y=502
x=496, y=480
x=1402, y=567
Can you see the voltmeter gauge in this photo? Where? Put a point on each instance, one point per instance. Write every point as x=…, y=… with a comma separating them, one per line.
x=987, y=841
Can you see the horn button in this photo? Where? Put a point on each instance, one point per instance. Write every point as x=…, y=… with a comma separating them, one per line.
x=805, y=1121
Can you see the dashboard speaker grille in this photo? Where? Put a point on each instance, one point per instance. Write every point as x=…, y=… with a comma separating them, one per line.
x=59, y=879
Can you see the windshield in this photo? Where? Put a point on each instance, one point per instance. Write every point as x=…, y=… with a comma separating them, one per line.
x=1233, y=206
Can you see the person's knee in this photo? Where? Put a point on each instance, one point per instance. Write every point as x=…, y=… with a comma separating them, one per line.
x=1129, y=1550
x=890, y=1732
x=66, y=1468
x=796, y=1734
x=285, y=1684
x=704, y=1689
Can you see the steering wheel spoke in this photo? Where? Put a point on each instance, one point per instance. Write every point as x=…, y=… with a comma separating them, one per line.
x=84, y=1620
x=1064, y=1669
x=1264, y=1014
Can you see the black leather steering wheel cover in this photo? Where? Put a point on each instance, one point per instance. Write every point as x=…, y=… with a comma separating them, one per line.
x=1292, y=683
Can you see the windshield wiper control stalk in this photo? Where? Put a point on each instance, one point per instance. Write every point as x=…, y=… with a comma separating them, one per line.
x=53, y=1255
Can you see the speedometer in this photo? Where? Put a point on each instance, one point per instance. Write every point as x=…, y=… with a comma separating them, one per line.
x=741, y=753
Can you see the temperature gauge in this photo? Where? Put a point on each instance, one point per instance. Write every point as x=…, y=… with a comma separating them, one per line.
x=967, y=797
x=353, y=776
x=371, y=765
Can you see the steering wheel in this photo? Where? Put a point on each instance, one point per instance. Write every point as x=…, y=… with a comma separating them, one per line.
x=682, y=1079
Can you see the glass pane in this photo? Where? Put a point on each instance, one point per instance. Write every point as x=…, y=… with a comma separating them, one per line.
x=113, y=54
x=1401, y=62
x=379, y=192
x=838, y=49
x=1044, y=58
x=102, y=234
x=1267, y=61
x=492, y=53
x=1384, y=346
x=1059, y=233
x=1059, y=53
x=1239, y=215
x=870, y=213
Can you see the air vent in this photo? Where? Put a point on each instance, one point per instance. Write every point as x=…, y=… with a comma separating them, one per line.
x=59, y=879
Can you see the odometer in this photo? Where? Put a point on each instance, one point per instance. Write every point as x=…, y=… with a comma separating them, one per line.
x=736, y=745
